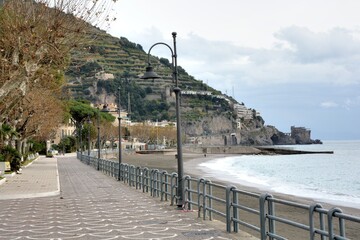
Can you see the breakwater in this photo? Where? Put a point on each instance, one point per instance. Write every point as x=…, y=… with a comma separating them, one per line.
x=287, y=151
x=248, y=150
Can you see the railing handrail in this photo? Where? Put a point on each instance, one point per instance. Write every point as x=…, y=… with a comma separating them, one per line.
x=198, y=192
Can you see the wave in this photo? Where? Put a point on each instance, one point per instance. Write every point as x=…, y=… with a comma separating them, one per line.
x=291, y=175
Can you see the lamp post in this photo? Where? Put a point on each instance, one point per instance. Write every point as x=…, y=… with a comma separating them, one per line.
x=88, y=122
x=150, y=74
x=119, y=133
x=81, y=150
x=98, y=140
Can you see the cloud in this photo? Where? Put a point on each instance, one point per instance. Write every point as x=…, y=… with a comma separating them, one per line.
x=332, y=57
x=312, y=46
x=329, y=57
x=329, y=104
x=350, y=103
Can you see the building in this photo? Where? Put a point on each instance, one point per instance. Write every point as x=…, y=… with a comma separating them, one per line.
x=102, y=75
x=301, y=135
x=66, y=129
x=243, y=112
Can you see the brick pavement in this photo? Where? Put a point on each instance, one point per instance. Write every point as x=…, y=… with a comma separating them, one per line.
x=91, y=205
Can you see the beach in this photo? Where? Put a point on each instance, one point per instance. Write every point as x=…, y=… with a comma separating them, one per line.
x=168, y=162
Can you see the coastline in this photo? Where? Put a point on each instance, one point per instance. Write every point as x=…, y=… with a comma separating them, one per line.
x=192, y=160
x=193, y=166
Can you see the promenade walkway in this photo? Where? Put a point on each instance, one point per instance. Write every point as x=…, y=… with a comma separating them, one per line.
x=62, y=198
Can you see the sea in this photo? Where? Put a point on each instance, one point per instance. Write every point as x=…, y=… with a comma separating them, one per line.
x=330, y=178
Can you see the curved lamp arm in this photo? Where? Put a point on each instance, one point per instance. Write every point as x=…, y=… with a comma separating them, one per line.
x=173, y=57
x=160, y=43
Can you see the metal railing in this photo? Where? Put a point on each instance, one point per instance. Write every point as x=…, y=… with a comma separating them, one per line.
x=227, y=203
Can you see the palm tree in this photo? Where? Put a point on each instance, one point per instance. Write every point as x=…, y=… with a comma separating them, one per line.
x=7, y=133
x=4, y=134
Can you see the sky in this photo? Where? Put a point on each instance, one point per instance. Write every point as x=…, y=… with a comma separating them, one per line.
x=295, y=62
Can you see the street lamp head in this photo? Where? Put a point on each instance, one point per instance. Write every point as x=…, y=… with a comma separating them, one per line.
x=149, y=74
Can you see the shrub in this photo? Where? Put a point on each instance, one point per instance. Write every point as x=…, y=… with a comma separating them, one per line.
x=13, y=156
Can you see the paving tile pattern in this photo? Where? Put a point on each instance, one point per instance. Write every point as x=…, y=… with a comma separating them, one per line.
x=39, y=179
x=91, y=205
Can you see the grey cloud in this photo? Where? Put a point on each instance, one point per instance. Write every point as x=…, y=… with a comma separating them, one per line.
x=331, y=58
x=310, y=46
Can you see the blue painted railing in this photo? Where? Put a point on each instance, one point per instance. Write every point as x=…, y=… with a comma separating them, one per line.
x=322, y=223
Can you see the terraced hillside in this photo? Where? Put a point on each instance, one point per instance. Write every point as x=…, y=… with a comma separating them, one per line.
x=124, y=59
x=107, y=63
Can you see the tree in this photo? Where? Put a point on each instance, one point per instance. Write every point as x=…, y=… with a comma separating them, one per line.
x=153, y=134
x=41, y=112
x=83, y=111
x=13, y=156
x=6, y=133
x=36, y=38
x=67, y=144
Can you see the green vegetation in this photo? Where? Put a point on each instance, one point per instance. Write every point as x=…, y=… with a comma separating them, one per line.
x=202, y=105
x=127, y=61
x=141, y=108
x=13, y=156
x=67, y=144
x=37, y=147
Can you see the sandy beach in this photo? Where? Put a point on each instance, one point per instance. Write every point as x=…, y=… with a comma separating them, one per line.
x=192, y=160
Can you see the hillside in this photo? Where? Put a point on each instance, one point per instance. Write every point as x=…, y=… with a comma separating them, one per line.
x=208, y=117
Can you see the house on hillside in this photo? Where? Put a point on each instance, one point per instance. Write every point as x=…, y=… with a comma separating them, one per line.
x=102, y=75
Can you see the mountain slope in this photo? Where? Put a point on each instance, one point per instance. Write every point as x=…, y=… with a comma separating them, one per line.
x=107, y=63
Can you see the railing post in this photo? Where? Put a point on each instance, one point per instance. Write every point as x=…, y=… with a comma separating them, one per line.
x=208, y=183
x=119, y=171
x=228, y=207
x=204, y=199
x=312, y=210
x=157, y=183
x=173, y=185
x=126, y=172
x=137, y=177
x=133, y=170
x=199, y=193
x=122, y=172
x=262, y=202
x=147, y=179
x=113, y=169
x=162, y=180
x=331, y=214
x=151, y=181
x=142, y=178
x=153, y=173
x=188, y=200
x=166, y=179
x=271, y=212
x=235, y=210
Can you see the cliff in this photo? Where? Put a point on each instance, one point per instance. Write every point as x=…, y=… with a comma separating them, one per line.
x=219, y=130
